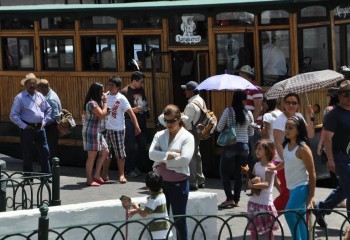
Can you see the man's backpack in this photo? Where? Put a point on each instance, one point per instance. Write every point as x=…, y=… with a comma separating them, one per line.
x=206, y=124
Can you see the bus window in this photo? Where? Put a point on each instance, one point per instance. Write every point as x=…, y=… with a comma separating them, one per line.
x=234, y=50
x=18, y=53
x=313, y=49
x=99, y=53
x=275, y=56
x=139, y=48
x=57, y=53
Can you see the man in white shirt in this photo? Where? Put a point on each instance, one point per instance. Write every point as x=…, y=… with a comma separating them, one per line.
x=274, y=59
x=193, y=112
x=117, y=104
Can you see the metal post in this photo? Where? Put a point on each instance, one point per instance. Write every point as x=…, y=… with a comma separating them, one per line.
x=56, y=201
x=43, y=228
x=3, y=184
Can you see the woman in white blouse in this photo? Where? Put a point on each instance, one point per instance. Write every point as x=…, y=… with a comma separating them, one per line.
x=172, y=150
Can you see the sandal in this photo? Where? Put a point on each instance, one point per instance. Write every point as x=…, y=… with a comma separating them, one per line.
x=99, y=180
x=227, y=204
x=122, y=180
x=92, y=184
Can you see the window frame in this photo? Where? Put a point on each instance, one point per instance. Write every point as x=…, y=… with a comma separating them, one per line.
x=18, y=39
x=42, y=53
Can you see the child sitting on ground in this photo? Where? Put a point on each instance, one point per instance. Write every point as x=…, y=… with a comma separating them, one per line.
x=263, y=203
x=155, y=207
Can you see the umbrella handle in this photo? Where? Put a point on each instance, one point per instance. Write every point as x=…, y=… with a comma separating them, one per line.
x=307, y=99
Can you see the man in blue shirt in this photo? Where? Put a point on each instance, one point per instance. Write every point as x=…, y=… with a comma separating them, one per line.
x=31, y=112
x=56, y=107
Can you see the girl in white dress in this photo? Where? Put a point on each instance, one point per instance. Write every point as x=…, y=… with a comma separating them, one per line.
x=261, y=209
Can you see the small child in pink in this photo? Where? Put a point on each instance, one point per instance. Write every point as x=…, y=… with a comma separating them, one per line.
x=263, y=203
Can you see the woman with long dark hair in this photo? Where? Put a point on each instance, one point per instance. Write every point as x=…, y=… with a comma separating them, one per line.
x=300, y=175
x=235, y=155
x=95, y=110
x=291, y=106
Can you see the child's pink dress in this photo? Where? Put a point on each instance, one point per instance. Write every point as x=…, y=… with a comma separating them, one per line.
x=260, y=207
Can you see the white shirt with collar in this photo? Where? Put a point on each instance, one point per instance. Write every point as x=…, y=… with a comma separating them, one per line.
x=192, y=111
x=183, y=143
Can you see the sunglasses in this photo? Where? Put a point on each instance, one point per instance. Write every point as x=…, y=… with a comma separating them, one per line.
x=291, y=103
x=170, y=121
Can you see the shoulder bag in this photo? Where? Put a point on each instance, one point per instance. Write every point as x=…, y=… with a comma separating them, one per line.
x=228, y=135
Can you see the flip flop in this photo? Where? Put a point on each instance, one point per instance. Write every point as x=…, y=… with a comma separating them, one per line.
x=122, y=180
x=92, y=184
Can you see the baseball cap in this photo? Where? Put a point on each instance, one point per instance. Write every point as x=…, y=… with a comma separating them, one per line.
x=191, y=85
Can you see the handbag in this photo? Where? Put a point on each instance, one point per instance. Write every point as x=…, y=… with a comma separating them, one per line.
x=228, y=135
x=66, y=123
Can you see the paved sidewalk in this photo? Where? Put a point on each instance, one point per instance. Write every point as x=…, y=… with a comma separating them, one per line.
x=74, y=190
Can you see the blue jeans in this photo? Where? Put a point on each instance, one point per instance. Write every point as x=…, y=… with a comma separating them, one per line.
x=297, y=200
x=176, y=194
x=27, y=136
x=342, y=168
x=232, y=158
x=133, y=157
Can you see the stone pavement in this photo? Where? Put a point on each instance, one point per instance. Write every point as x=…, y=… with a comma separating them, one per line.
x=74, y=190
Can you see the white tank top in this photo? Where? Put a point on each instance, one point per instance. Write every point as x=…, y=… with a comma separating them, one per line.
x=266, y=195
x=294, y=168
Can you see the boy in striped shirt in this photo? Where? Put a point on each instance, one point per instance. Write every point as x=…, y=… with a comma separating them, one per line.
x=155, y=208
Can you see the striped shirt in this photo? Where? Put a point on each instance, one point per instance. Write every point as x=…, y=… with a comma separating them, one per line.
x=251, y=95
x=156, y=205
x=242, y=131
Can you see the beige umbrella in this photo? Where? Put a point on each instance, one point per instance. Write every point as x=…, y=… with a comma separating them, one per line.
x=303, y=83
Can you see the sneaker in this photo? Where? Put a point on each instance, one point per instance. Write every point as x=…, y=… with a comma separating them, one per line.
x=131, y=174
x=319, y=217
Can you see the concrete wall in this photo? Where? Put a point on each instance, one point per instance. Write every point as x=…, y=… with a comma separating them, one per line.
x=92, y=213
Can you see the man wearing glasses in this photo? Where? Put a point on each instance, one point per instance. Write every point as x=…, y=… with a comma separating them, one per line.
x=136, y=158
x=337, y=148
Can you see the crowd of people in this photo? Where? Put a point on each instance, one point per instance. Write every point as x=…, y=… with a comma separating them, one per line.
x=272, y=138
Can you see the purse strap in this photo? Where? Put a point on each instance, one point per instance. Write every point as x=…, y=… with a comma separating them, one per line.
x=232, y=118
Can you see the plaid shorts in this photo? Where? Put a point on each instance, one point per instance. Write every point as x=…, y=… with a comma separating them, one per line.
x=115, y=140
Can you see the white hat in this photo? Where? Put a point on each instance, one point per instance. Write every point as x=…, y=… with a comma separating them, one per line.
x=247, y=69
x=344, y=86
x=28, y=77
